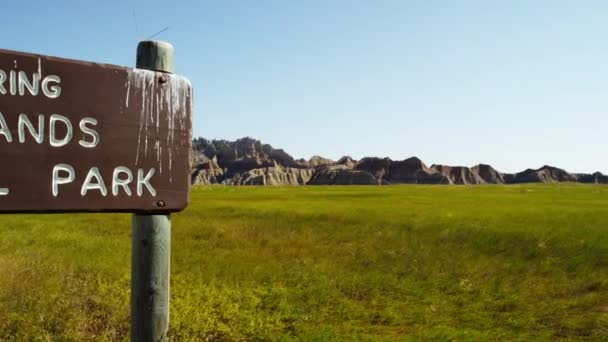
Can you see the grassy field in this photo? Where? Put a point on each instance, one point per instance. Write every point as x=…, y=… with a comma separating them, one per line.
x=394, y=263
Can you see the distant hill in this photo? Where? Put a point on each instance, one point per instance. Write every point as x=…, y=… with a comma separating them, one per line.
x=247, y=161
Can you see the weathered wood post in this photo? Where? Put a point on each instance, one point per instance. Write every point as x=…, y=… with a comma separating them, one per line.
x=151, y=245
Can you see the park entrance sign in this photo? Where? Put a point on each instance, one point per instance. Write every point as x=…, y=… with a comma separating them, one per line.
x=84, y=137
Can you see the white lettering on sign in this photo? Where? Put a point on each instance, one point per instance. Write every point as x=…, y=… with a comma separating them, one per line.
x=51, y=91
x=145, y=181
x=4, y=130
x=55, y=118
x=28, y=129
x=2, y=80
x=89, y=131
x=17, y=82
x=94, y=181
x=121, y=182
x=64, y=174
x=4, y=191
x=13, y=82
x=58, y=179
x=24, y=122
x=32, y=87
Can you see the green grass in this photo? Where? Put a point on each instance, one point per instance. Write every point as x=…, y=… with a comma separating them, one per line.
x=394, y=263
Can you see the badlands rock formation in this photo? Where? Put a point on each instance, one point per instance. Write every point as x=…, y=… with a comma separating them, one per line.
x=488, y=174
x=596, y=178
x=341, y=175
x=459, y=174
x=546, y=174
x=249, y=162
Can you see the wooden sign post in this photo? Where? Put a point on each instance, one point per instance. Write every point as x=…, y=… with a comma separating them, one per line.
x=151, y=241
x=85, y=137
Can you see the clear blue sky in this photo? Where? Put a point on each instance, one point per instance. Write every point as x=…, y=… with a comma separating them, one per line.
x=512, y=83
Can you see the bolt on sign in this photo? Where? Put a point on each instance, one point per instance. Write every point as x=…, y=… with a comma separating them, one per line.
x=85, y=137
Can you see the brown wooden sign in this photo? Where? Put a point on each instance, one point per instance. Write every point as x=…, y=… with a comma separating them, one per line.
x=81, y=137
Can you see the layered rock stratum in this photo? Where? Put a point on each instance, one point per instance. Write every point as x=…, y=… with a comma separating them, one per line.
x=247, y=161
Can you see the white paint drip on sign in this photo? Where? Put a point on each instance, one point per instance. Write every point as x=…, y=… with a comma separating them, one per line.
x=162, y=105
x=128, y=93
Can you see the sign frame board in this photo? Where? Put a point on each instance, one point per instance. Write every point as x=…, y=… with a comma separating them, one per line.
x=86, y=137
